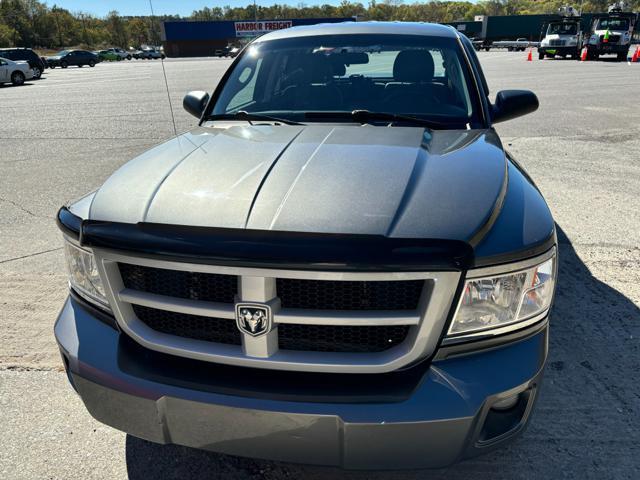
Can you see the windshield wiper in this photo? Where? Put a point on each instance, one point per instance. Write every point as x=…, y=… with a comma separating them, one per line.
x=366, y=116
x=251, y=117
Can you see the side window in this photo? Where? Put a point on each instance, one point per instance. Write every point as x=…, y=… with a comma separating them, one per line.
x=2, y=63
x=473, y=56
x=246, y=84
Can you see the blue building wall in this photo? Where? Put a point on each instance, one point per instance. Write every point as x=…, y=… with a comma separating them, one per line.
x=222, y=30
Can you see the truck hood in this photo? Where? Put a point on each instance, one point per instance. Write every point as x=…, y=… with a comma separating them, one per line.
x=398, y=182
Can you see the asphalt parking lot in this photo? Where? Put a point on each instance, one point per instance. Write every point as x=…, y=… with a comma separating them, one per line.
x=62, y=136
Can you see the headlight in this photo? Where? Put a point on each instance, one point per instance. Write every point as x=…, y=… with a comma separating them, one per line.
x=83, y=275
x=506, y=299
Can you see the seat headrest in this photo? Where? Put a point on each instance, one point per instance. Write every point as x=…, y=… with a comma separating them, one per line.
x=413, y=66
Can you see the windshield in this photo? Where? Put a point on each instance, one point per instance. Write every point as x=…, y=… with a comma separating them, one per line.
x=562, y=29
x=421, y=76
x=613, y=24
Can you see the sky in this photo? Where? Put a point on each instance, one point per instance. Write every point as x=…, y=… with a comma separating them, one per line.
x=101, y=8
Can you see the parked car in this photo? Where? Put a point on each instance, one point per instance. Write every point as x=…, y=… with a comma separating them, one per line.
x=107, y=55
x=120, y=53
x=333, y=267
x=66, y=58
x=521, y=44
x=228, y=51
x=150, y=53
x=26, y=54
x=14, y=72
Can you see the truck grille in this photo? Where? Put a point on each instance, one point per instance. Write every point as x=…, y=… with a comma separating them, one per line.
x=181, y=284
x=320, y=321
x=218, y=330
x=612, y=39
x=330, y=338
x=346, y=295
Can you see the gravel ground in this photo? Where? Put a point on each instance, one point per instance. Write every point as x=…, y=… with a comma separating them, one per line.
x=62, y=136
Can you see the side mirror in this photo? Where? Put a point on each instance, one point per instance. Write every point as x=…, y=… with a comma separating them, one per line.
x=513, y=103
x=195, y=102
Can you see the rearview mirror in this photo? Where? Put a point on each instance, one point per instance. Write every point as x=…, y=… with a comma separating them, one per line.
x=513, y=103
x=351, y=58
x=195, y=102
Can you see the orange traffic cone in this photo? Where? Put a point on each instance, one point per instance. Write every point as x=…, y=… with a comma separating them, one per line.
x=636, y=55
x=530, y=57
x=583, y=55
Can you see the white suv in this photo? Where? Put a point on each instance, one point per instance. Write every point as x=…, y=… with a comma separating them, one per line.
x=14, y=72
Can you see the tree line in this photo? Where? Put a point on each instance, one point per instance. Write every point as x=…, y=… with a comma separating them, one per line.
x=31, y=23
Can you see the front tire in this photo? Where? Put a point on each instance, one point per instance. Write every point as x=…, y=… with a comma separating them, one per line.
x=37, y=73
x=92, y=63
x=64, y=64
x=622, y=57
x=540, y=55
x=17, y=78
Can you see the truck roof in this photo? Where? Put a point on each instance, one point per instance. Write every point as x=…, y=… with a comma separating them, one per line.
x=347, y=28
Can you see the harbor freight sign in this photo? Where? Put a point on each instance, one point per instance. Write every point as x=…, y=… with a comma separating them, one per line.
x=253, y=29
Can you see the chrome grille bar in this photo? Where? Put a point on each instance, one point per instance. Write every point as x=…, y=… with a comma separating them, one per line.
x=179, y=305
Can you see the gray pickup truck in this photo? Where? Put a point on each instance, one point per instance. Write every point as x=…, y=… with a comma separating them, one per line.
x=340, y=265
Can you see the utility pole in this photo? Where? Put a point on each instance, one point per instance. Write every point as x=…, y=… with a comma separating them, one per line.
x=58, y=27
x=84, y=27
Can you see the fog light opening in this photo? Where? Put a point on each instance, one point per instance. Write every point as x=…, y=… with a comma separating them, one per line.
x=504, y=418
x=506, y=403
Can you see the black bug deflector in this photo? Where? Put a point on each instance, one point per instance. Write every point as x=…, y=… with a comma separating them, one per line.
x=264, y=248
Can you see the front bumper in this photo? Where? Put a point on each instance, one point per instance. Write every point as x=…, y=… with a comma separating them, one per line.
x=446, y=417
x=561, y=51
x=605, y=48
